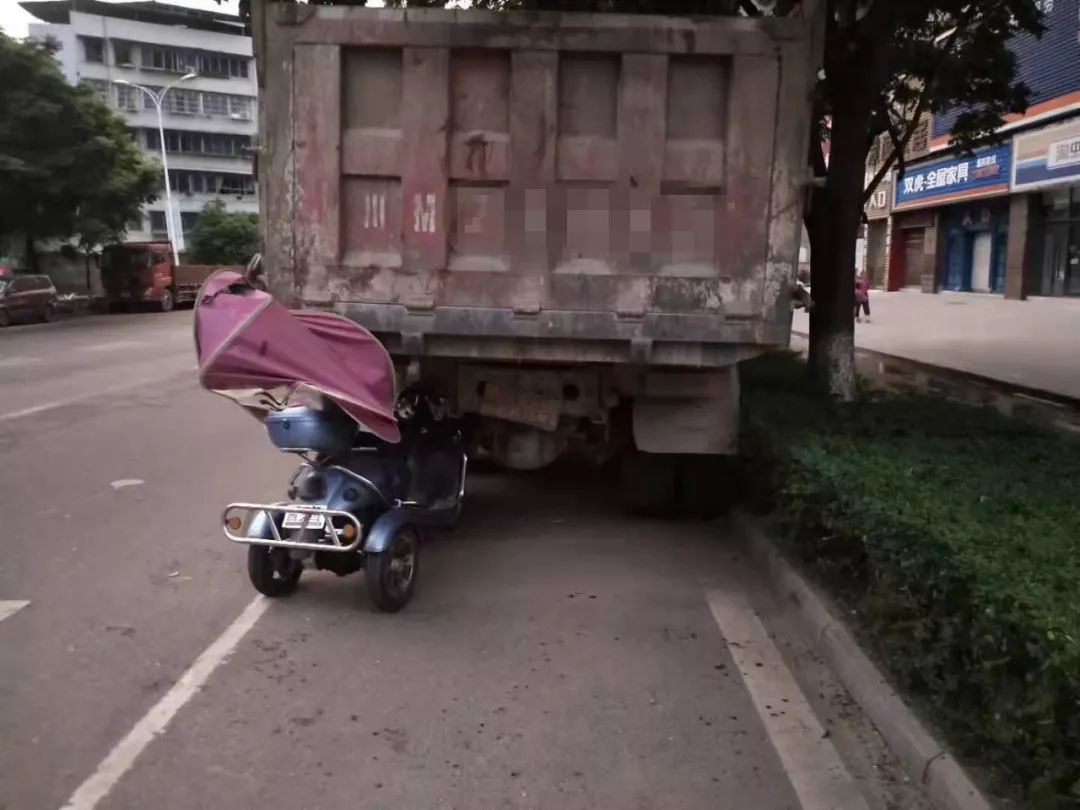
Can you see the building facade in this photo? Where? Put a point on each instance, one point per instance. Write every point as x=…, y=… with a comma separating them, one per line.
x=209, y=121
x=1006, y=219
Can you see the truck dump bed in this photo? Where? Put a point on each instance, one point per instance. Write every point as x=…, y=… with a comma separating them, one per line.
x=534, y=186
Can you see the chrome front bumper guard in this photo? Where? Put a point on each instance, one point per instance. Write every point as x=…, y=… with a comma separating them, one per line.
x=273, y=510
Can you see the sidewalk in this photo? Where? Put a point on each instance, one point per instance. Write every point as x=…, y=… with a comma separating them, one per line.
x=1034, y=343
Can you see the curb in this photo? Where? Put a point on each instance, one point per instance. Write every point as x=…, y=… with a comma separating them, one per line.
x=924, y=758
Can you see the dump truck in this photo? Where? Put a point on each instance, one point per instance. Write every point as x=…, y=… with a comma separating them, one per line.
x=573, y=226
x=143, y=274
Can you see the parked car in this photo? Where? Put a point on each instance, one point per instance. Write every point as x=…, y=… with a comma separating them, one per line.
x=26, y=298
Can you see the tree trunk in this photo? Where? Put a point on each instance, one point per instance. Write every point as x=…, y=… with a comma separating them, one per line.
x=833, y=225
x=30, y=253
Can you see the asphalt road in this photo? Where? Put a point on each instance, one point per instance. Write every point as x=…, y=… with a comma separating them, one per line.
x=557, y=653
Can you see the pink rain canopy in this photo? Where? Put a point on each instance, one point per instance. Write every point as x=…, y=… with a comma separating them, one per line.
x=251, y=348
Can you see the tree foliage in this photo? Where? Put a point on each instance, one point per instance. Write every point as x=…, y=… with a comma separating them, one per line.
x=223, y=237
x=68, y=164
x=116, y=178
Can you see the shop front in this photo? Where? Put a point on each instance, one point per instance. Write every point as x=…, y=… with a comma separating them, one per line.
x=951, y=223
x=908, y=260
x=975, y=239
x=1047, y=172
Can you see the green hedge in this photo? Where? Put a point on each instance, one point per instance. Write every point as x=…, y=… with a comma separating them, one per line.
x=952, y=532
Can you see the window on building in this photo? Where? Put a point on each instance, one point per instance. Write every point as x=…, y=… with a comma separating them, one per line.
x=135, y=222
x=153, y=59
x=127, y=97
x=215, y=104
x=240, y=107
x=147, y=103
x=172, y=60
x=181, y=181
x=225, y=145
x=157, y=223
x=122, y=52
x=211, y=65
x=217, y=144
x=188, y=220
x=93, y=49
x=236, y=184
x=182, y=101
x=221, y=65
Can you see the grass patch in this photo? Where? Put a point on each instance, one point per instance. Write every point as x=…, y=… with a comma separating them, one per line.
x=953, y=533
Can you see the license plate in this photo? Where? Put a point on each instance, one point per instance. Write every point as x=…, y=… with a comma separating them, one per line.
x=303, y=520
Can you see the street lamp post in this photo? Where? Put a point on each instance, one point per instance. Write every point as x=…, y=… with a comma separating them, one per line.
x=158, y=98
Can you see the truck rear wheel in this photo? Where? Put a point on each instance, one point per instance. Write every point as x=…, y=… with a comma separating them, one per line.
x=706, y=486
x=648, y=483
x=683, y=485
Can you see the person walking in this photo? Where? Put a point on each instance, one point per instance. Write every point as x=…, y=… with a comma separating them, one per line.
x=862, y=297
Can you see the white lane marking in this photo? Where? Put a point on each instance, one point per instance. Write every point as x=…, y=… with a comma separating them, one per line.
x=810, y=760
x=123, y=756
x=9, y=607
x=109, y=345
x=10, y=362
x=122, y=483
x=62, y=403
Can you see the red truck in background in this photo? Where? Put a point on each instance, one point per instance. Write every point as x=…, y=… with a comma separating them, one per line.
x=142, y=274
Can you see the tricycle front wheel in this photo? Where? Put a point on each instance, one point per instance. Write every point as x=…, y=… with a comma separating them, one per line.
x=272, y=571
x=391, y=574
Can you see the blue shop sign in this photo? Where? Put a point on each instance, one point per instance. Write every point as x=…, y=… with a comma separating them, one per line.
x=982, y=173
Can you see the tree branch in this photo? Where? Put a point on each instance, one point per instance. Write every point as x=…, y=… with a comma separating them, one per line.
x=749, y=9
x=900, y=145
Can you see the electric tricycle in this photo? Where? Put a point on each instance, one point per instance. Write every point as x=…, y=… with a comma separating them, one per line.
x=378, y=467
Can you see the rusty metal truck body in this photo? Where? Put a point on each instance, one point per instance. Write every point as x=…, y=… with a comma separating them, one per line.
x=555, y=215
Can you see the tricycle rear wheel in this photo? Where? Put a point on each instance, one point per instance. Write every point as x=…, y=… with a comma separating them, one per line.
x=391, y=574
x=272, y=571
